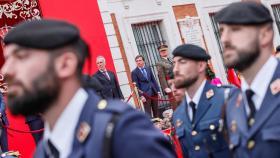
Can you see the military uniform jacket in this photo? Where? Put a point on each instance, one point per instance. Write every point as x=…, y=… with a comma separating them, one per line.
x=203, y=138
x=134, y=135
x=262, y=140
x=165, y=72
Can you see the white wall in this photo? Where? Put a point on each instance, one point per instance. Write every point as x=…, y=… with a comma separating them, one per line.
x=115, y=49
x=130, y=12
x=136, y=11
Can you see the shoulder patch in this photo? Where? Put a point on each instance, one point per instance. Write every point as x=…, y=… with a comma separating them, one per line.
x=275, y=86
x=210, y=93
x=83, y=131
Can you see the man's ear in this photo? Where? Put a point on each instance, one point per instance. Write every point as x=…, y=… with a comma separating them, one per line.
x=266, y=35
x=202, y=66
x=66, y=65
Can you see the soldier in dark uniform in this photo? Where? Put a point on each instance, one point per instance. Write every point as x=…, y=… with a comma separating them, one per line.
x=198, y=119
x=253, y=114
x=43, y=67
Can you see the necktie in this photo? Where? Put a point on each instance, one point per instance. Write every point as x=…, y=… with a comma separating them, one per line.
x=192, y=105
x=105, y=74
x=169, y=60
x=51, y=150
x=144, y=72
x=249, y=94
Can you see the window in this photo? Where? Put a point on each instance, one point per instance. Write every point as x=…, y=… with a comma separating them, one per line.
x=215, y=26
x=276, y=12
x=148, y=36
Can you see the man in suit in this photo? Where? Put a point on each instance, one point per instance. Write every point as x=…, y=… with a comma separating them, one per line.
x=108, y=80
x=145, y=81
x=253, y=113
x=197, y=120
x=45, y=77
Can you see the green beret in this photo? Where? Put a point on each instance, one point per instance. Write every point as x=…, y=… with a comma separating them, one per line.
x=244, y=13
x=191, y=51
x=162, y=47
x=43, y=34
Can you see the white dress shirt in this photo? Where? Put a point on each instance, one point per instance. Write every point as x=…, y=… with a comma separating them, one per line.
x=106, y=73
x=260, y=83
x=63, y=132
x=195, y=99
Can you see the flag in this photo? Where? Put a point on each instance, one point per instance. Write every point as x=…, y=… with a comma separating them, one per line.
x=233, y=78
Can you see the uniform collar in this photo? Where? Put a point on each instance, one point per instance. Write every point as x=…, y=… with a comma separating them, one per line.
x=197, y=94
x=63, y=131
x=261, y=81
x=102, y=71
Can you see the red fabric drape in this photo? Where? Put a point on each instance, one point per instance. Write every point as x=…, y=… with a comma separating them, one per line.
x=233, y=78
x=15, y=11
x=85, y=15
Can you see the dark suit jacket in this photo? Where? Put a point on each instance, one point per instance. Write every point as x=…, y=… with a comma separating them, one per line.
x=149, y=85
x=93, y=83
x=110, y=88
x=134, y=135
x=262, y=140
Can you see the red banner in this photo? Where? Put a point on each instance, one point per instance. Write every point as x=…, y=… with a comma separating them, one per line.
x=84, y=14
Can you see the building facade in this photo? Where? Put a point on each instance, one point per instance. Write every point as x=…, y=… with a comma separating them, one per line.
x=138, y=26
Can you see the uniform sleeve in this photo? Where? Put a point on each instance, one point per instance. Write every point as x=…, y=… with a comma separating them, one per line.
x=161, y=76
x=136, y=137
x=2, y=106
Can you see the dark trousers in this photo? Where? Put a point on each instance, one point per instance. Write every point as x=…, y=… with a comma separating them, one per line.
x=151, y=105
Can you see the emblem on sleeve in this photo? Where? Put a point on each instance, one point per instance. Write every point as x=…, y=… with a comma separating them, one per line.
x=275, y=86
x=83, y=132
x=179, y=123
x=209, y=93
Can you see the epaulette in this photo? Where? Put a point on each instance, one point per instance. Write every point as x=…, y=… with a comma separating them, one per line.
x=228, y=90
x=10, y=154
x=112, y=106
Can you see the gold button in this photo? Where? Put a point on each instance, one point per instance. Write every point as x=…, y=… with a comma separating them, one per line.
x=212, y=127
x=194, y=133
x=197, y=147
x=102, y=104
x=251, y=122
x=251, y=144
